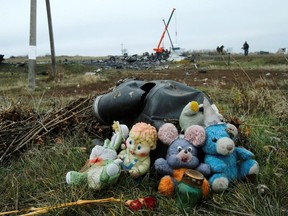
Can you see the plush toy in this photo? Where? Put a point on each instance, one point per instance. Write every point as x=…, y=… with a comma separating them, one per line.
x=181, y=155
x=136, y=156
x=195, y=114
x=227, y=162
x=103, y=167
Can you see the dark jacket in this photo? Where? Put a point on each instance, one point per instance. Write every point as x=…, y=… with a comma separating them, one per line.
x=245, y=46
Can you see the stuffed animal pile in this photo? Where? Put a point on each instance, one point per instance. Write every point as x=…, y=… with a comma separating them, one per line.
x=105, y=164
x=227, y=162
x=202, y=130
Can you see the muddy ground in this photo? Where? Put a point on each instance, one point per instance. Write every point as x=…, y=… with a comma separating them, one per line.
x=224, y=79
x=24, y=119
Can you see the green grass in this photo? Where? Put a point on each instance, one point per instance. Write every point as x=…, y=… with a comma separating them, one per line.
x=37, y=177
x=252, y=61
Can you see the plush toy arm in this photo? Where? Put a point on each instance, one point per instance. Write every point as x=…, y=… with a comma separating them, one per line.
x=140, y=168
x=243, y=153
x=122, y=154
x=216, y=164
x=162, y=167
x=205, y=169
x=121, y=133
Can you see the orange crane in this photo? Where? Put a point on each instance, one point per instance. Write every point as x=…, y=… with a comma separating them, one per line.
x=161, y=49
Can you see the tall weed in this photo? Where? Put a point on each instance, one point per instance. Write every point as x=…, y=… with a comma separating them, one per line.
x=261, y=98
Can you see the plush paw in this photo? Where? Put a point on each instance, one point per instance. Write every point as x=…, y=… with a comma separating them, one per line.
x=134, y=172
x=162, y=166
x=76, y=178
x=68, y=178
x=166, y=186
x=254, y=169
x=220, y=184
x=205, y=169
x=112, y=169
x=123, y=146
x=248, y=167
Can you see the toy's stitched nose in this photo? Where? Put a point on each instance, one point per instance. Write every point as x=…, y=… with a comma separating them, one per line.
x=185, y=151
x=229, y=147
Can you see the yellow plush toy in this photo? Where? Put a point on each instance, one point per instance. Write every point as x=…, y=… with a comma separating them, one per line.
x=136, y=156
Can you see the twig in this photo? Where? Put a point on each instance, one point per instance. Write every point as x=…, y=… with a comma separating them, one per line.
x=7, y=149
x=41, y=127
x=39, y=102
x=43, y=210
x=65, y=119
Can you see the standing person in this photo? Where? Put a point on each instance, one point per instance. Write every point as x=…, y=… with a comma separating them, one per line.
x=246, y=48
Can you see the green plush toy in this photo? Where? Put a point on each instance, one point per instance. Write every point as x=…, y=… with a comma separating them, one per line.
x=103, y=167
x=199, y=114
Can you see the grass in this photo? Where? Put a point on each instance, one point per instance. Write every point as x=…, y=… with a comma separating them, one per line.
x=263, y=62
x=37, y=178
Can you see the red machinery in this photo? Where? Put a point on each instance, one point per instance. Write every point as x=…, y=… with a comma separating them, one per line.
x=161, y=49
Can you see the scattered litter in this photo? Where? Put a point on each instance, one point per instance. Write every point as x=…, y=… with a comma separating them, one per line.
x=90, y=74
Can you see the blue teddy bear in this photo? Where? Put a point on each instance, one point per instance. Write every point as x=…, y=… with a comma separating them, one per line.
x=227, y=162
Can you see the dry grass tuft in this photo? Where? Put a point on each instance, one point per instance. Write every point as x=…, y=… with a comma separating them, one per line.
x=264, y=97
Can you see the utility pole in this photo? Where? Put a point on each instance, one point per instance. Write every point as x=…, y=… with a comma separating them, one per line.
x=32, y=46
x=53, y=61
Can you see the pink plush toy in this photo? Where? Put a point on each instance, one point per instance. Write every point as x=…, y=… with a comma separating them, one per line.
x=136, y=157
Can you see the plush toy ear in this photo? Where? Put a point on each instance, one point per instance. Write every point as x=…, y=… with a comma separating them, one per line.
x=167, y=133
x=232, y=130
x=195, y=134
x=210, y=115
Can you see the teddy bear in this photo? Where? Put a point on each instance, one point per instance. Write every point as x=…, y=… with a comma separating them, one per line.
x=136, y=154
x=228, y=162
x=181, y=155
x=103, y=167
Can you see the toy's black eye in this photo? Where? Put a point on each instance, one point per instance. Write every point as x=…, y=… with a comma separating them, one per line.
x=214, y=139
x=189, y=149
x=130, y=142
x=179, y=148
x=139, y=147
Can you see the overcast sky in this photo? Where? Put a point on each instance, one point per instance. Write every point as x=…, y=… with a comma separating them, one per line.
x=98, y=28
